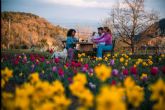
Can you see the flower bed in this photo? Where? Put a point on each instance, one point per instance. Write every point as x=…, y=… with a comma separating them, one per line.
x=118, y=82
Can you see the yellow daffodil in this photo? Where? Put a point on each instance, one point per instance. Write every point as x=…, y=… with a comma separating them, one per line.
x=135, y=94
x=129, y=82
x=6, y=73
x=81, y=78
x=125, y=64
x=103, y=72
x=86, y=98
x=57, y=88
x=150, y=57
x=121, y=59
x=46, y=106
x=150, y=62
x=144, y=64
x=106, y=59
x=76, y=88
x=34, y=77
x=2, y=83
x=159, y=105
x=110, y=98
x=158, y=90
x=162, y=55
x=144, y=75
x=61, y=102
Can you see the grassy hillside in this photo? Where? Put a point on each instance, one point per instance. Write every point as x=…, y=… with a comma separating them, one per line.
x=22, y=30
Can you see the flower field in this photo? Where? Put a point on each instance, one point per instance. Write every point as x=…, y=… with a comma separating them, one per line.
x=116, y=82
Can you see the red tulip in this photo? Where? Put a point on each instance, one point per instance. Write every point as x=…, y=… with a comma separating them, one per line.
x=125, y=72
x=42, y=59
x=113, y=82
x=70, y=79
x=163, y=69
x=51, y=51
x=56, y=60
x=75, y=71
x=78, y=64
x=16, y=62
x=154, y=70
x=61, y=72
x=67, y=64
x=86, y=66
x=73, y=63
x=133, y=70
x=32, y=58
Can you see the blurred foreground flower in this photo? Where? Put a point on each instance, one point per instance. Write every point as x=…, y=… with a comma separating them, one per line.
x=5, y=75
x=135, y=93
x=78, y=89
x=158, y=94
x=110, y=98
x=103, y=72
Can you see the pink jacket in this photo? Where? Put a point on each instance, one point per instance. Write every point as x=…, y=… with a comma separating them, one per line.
x=107, y=38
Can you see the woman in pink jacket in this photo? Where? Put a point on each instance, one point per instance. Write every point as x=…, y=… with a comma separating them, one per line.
x=107, y=38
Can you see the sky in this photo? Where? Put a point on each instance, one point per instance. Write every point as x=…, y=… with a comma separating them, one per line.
x=73, y=13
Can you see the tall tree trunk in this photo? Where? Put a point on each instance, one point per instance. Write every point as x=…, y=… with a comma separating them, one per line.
x=132, y=45
x=132, y=48
x=8, y=46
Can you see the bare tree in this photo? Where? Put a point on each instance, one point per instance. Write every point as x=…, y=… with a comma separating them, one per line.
x=129, y=18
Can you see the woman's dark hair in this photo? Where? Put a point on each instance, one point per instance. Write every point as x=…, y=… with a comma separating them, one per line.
x=100, y=28
x=69, y=33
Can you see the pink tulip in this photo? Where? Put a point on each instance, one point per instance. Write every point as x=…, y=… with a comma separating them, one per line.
x=47, y=62
x=115, y=72
x=54, y=69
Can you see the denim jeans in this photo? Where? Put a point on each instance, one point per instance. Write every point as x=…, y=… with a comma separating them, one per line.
x=102, y=48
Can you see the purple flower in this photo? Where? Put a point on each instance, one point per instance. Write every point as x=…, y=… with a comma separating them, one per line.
x=54, y=69
x=33, y=67
x=86, y=66
x=84, y=69
x=115, y=72
x=112, y=62
x=91, y=70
